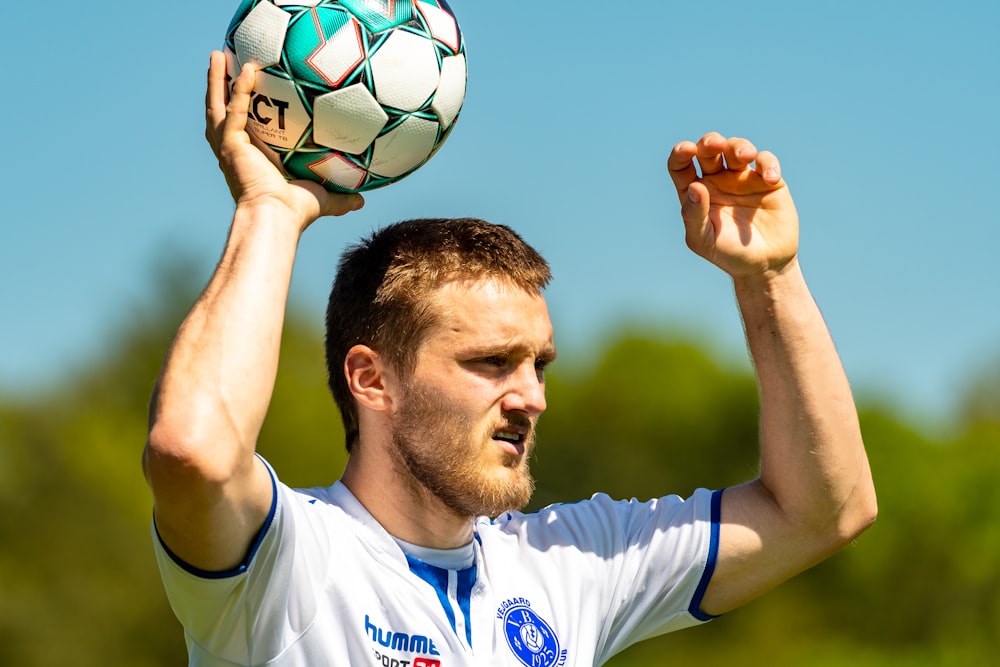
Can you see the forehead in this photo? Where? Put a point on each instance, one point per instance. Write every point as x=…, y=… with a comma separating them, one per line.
x=490, y=312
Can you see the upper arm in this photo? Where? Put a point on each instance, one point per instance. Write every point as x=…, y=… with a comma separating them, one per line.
x=760, y=547
x=207, y=516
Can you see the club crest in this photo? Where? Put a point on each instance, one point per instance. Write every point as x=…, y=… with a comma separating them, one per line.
x=530, y=638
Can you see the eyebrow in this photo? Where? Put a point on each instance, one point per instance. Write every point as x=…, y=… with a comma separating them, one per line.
x=546, y=354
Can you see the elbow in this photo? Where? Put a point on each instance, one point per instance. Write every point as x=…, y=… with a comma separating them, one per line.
x=855, y=517
x=865, y=513
x=833, y=525
x=181, y=453
x=170, y=455
x=864, y=502
x=857, y=508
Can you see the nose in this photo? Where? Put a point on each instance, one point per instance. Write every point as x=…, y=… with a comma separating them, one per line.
x=526, y=390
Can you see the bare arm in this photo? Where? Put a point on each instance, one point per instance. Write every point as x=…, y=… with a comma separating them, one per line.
x=211, y=494
x=815, y=492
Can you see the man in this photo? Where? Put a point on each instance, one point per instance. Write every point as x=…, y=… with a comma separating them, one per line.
x=438, y=337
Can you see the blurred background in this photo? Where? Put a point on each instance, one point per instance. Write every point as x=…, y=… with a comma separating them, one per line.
x=884, y=117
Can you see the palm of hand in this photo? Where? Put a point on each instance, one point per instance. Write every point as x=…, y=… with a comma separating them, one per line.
x=252, y=173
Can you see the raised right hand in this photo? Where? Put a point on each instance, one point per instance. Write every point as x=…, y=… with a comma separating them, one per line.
x=252, y=176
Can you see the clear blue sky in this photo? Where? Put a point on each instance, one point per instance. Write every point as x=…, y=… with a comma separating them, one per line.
x=884, y=115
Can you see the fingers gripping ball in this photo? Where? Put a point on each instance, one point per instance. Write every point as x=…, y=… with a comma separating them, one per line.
x=353, y=94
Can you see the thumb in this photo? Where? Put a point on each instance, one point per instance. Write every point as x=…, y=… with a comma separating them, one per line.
x=341, y=204
x=699, y=232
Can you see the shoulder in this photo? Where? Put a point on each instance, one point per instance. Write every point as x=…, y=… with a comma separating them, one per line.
x=603, y=523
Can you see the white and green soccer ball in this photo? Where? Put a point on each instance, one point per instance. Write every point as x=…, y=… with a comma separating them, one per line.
x=353, y=94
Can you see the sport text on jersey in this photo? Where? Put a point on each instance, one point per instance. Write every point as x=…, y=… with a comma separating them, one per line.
x=397, y=649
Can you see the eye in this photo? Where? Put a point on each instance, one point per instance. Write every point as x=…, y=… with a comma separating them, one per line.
x=543, y=360
x=496, y=360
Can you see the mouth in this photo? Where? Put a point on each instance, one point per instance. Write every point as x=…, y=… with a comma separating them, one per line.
x=512, y=438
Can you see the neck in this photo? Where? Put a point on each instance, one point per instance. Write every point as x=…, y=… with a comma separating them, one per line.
x=406, y=510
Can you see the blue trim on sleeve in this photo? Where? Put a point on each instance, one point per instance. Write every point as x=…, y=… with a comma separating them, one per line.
x=251, y=552
x=713, y=554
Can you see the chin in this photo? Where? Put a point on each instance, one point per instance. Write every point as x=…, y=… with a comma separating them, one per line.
x=511, y=490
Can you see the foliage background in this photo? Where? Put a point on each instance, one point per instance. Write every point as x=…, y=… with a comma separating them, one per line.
x=646, y=412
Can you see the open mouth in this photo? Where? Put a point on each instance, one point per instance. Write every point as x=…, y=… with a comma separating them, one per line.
x=512, y=438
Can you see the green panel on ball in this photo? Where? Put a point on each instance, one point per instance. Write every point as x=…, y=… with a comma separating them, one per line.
x=379, y=15
x=308, y=32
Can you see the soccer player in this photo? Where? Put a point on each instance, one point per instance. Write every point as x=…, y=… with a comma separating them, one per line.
x=438, y=338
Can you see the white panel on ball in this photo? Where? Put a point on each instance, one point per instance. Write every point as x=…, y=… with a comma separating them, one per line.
x=337, y=170
x=260, y=37
x=404, y=147
x=276, y=114
x=348, y=119
x=451, y=93
x=405, y=71
x=335, y=60
x=441, y=23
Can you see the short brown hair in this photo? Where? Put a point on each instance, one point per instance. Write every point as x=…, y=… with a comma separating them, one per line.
x=381, y=296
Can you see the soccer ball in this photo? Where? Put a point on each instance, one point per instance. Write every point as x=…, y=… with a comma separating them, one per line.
x=353, y=94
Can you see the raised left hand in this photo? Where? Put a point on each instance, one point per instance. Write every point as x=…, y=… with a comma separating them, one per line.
x=738, y=213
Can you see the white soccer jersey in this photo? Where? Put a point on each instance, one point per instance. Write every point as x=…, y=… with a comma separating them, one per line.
x=572, y=585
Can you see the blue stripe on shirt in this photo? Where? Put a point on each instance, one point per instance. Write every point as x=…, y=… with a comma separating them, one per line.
x=437, y=577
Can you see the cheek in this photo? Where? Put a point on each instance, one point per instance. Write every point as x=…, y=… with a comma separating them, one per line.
x=458, y=406
x=457, y=397
x=472, y=393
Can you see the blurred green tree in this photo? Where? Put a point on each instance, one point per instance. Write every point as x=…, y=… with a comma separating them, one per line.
x=78, y=578
x=650, y=417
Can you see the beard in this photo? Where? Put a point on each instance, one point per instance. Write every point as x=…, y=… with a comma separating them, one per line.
x=437, y=450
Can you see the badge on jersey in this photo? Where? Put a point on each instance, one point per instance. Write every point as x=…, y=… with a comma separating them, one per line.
x=530, y=638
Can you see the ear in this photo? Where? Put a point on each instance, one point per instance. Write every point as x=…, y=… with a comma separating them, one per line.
x=368, y=378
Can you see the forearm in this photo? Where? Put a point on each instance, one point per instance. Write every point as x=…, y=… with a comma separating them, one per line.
x=813, y=461
x=218, y=378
